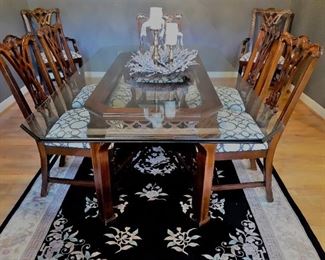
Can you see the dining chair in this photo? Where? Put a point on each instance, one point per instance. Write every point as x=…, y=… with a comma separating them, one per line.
x=63, y=70
x=21, y=61
x=299, y=60
x=282, y=18
x=39, y=17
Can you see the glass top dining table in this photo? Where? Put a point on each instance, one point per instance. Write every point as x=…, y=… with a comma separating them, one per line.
x=117, y=107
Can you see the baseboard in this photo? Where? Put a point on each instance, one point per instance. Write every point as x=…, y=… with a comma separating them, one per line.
x=222, y=74
x=10, y=100
x=94, y=74
x=313, y=105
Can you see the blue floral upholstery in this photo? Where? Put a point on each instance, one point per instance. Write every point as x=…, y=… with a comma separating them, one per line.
x=72, y=124
x=230, y=98
x=121, y=95
x=74, y=55
x=83, y=96
x=247, y=55
x=238, y=125
x=193, y=97
x=52, y=75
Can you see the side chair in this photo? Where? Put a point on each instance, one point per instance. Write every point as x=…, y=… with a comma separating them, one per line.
x=299, y=59
x=256, y=70
x=39, y=17
x=17, y=64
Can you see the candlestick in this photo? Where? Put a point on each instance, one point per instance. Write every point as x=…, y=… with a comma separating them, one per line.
x=155, y=53
x=171, y=53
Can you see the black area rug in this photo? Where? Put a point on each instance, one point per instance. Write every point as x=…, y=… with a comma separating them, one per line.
x=153, y=204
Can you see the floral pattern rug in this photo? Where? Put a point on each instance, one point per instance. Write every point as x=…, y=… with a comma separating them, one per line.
x=153, y=205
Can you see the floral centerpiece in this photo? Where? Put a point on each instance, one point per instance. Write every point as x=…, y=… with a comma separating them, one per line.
x=144, y=69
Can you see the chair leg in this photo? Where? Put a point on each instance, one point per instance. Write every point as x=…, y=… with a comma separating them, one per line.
x=268, y=166
x=253, y=164
x=44, y=168
x=62, y=161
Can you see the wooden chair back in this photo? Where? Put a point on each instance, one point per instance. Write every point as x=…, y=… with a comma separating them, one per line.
x=18, y=59
x=257, y=64
x=267, y=17
x=57, y=52
x=39, y=17
x=300, y=57
x=66, y=76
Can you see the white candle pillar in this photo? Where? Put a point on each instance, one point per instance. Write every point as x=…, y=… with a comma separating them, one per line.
x=155, y=18
x=171, y=33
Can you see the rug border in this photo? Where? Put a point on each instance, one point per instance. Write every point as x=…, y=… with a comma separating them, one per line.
x=283, y=188
x=310, y=233
x=23, y=196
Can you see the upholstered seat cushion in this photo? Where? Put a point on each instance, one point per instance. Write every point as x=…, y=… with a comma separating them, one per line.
x=230, y=98
x=247, y=55
x=238, y=126
x=80, y=100
x=74, y=55
x=71, y=125
x=52, y=77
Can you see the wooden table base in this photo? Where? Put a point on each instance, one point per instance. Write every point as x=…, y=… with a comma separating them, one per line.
x=102, y=177
x=202, y=181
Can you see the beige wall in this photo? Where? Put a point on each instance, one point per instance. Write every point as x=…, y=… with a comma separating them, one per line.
x=10, y=23
x=210, y=25
x=310, y=20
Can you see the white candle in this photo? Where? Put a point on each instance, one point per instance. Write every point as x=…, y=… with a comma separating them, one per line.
x=171, y=33
x=155, y=18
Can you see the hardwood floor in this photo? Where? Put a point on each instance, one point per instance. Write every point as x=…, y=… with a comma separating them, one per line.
x=299, y=160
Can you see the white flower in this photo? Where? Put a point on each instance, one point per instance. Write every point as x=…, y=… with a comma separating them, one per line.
x=179, y=240
x=216, y=204
x=246, y=244
x=123, y=239
x=152, y=192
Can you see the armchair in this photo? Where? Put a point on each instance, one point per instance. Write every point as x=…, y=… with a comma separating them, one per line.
x=39, y=17
x=280, y=18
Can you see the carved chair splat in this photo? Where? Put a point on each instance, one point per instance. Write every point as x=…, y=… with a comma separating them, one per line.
x=283, y=18
x=40, y=17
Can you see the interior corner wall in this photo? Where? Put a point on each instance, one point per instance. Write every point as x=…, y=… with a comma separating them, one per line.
x=10, y=23
x=310, y=20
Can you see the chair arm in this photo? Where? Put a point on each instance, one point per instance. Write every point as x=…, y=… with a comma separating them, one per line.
x=244, y=46
x=74, y=43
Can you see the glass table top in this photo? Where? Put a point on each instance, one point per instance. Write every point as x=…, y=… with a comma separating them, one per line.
x=103, y=102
